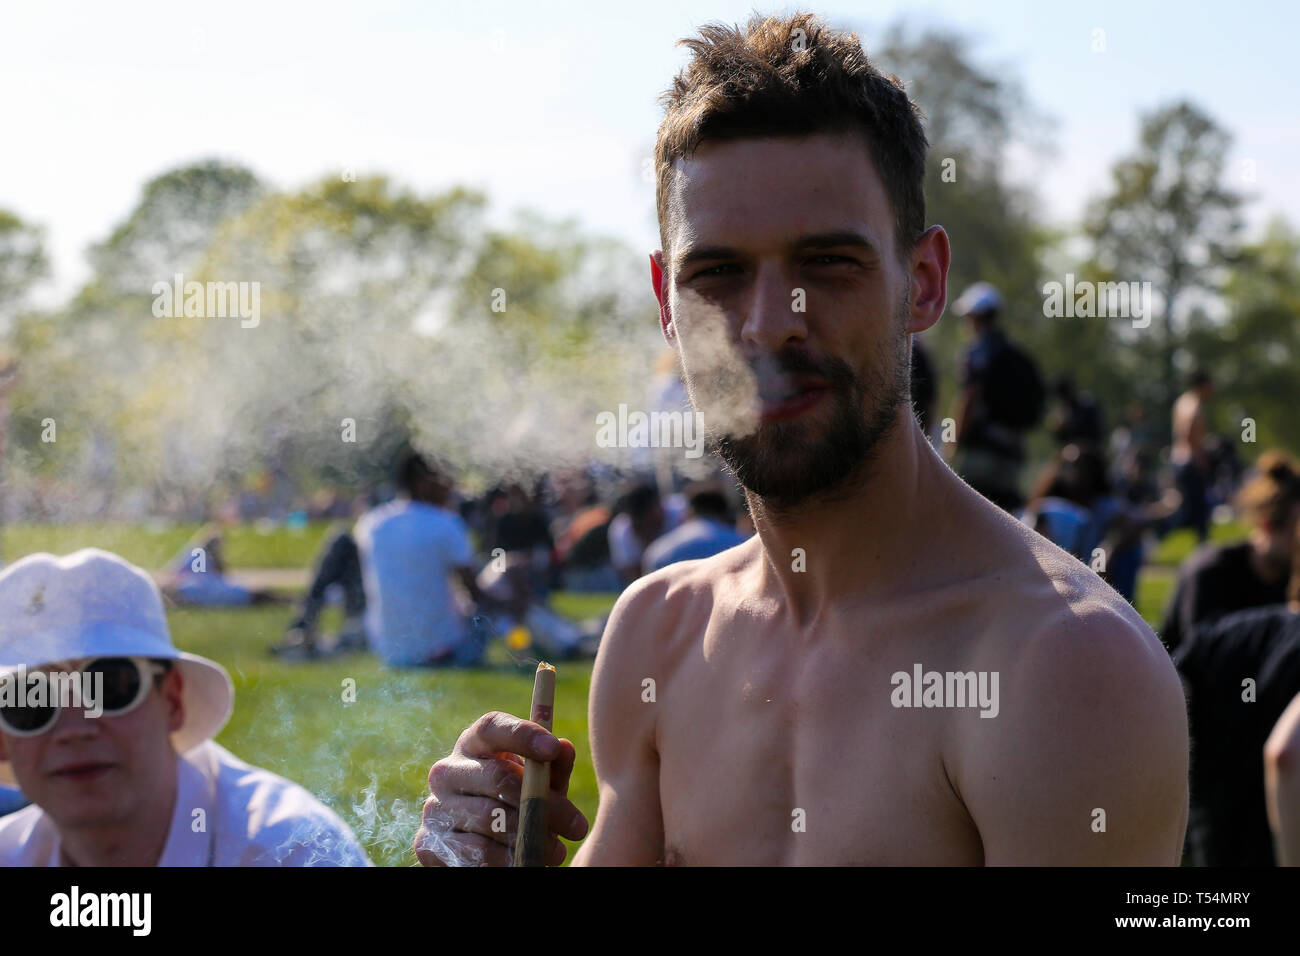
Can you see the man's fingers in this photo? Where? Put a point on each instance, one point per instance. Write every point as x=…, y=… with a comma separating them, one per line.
x=477, y=777
x=482, y=815
x=562, y=766
x=435, y=847
x=496, y=732
x=563, y=818
x=555, y=851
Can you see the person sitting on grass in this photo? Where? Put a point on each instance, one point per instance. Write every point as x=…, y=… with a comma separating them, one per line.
x=197, y=576
x=410, y=549
x=338, y=567
x=132, y=777
x=639, y=521
x=709, y=529
x=1219, y=579
x=1241, y=672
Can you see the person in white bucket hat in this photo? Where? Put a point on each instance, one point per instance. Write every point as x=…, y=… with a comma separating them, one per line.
x=132, y=777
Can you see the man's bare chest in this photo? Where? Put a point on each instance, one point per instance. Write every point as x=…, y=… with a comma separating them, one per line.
x=797, y=754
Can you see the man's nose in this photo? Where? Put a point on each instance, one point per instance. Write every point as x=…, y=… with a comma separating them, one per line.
x=73, y=723
x=771, y=321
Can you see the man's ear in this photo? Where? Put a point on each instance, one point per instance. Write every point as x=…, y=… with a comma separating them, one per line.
x=661, y=293
x=173, y=691
x=930, y=260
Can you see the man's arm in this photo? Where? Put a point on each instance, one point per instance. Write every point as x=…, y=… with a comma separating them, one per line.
x=628, y=830
x=1282, y=785
x=1086, y=762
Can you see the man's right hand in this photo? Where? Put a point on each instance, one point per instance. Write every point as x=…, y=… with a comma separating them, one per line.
x=472, y=813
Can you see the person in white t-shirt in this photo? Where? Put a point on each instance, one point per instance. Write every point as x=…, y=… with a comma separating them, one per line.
x=640, y=520
x=411, y=548
x=125, y=773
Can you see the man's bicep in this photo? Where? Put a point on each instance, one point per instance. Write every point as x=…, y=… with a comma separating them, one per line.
x=1090, y=768
x=628, y=830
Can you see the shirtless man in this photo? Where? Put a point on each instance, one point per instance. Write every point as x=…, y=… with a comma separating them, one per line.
x=778, y=732
x=1189, y=454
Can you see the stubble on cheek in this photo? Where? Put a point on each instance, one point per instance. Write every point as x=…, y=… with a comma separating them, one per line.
x=719, y=381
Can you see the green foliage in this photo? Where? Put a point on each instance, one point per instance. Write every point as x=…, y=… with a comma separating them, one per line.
x=22, y=262
x=1168, y=219
x=974, y=114
x=1255, y=353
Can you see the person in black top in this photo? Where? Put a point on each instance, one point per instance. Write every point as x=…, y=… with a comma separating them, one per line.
x=1001, y=398
x=1240, y=674
x=1220, y=579
x=517, y=526
x=1078, y=420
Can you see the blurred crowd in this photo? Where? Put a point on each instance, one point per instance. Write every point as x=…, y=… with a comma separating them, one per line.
x=431, y=577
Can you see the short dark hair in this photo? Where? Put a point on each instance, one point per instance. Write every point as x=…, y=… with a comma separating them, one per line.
x=708, y=501
x=1200, y=376
x=410, y=469
x=638, y=499
x=793, y=76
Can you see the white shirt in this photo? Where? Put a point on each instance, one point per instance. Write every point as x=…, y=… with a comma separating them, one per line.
x=251, y=817
x=624, y=546
x=409, y=549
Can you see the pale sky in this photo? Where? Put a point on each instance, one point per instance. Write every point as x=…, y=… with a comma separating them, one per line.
x=553, y=106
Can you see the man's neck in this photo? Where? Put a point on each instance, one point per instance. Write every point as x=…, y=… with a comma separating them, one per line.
x=137, y=841
x=876, y=531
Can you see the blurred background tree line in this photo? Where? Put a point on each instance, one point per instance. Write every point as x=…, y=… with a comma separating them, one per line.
x=411, y=317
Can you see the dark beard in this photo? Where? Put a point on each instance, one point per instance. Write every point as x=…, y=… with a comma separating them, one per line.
x=787, y=463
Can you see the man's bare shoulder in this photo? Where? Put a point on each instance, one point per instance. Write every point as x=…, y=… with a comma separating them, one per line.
x=647, y=620
x=1090, y=715
x=1037, y=592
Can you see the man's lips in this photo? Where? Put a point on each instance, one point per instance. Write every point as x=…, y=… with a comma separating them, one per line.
x=790, y=399
x=90, y=770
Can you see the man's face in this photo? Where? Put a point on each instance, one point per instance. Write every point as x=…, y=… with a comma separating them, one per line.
x=97, y=771
x=790, y=308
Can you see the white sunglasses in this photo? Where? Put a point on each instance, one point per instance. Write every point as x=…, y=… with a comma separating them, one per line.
x=126, y=683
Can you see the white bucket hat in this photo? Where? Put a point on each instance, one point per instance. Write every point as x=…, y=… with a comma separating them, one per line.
x=981, y=297
x=95, y=604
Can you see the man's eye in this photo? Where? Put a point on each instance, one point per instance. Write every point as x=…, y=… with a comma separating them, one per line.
x=829, y=260
x=714, y=270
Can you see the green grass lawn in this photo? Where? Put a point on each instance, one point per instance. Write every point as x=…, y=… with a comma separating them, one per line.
x=153, y=545
x=1178, y=546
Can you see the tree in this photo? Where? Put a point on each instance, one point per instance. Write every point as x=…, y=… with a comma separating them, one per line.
x=22, y=263
x=973, y=115
x=1169, y=220
x=1255, y=351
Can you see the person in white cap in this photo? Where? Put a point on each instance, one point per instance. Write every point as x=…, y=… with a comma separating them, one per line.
x=1002, y=398
x=132, y=778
